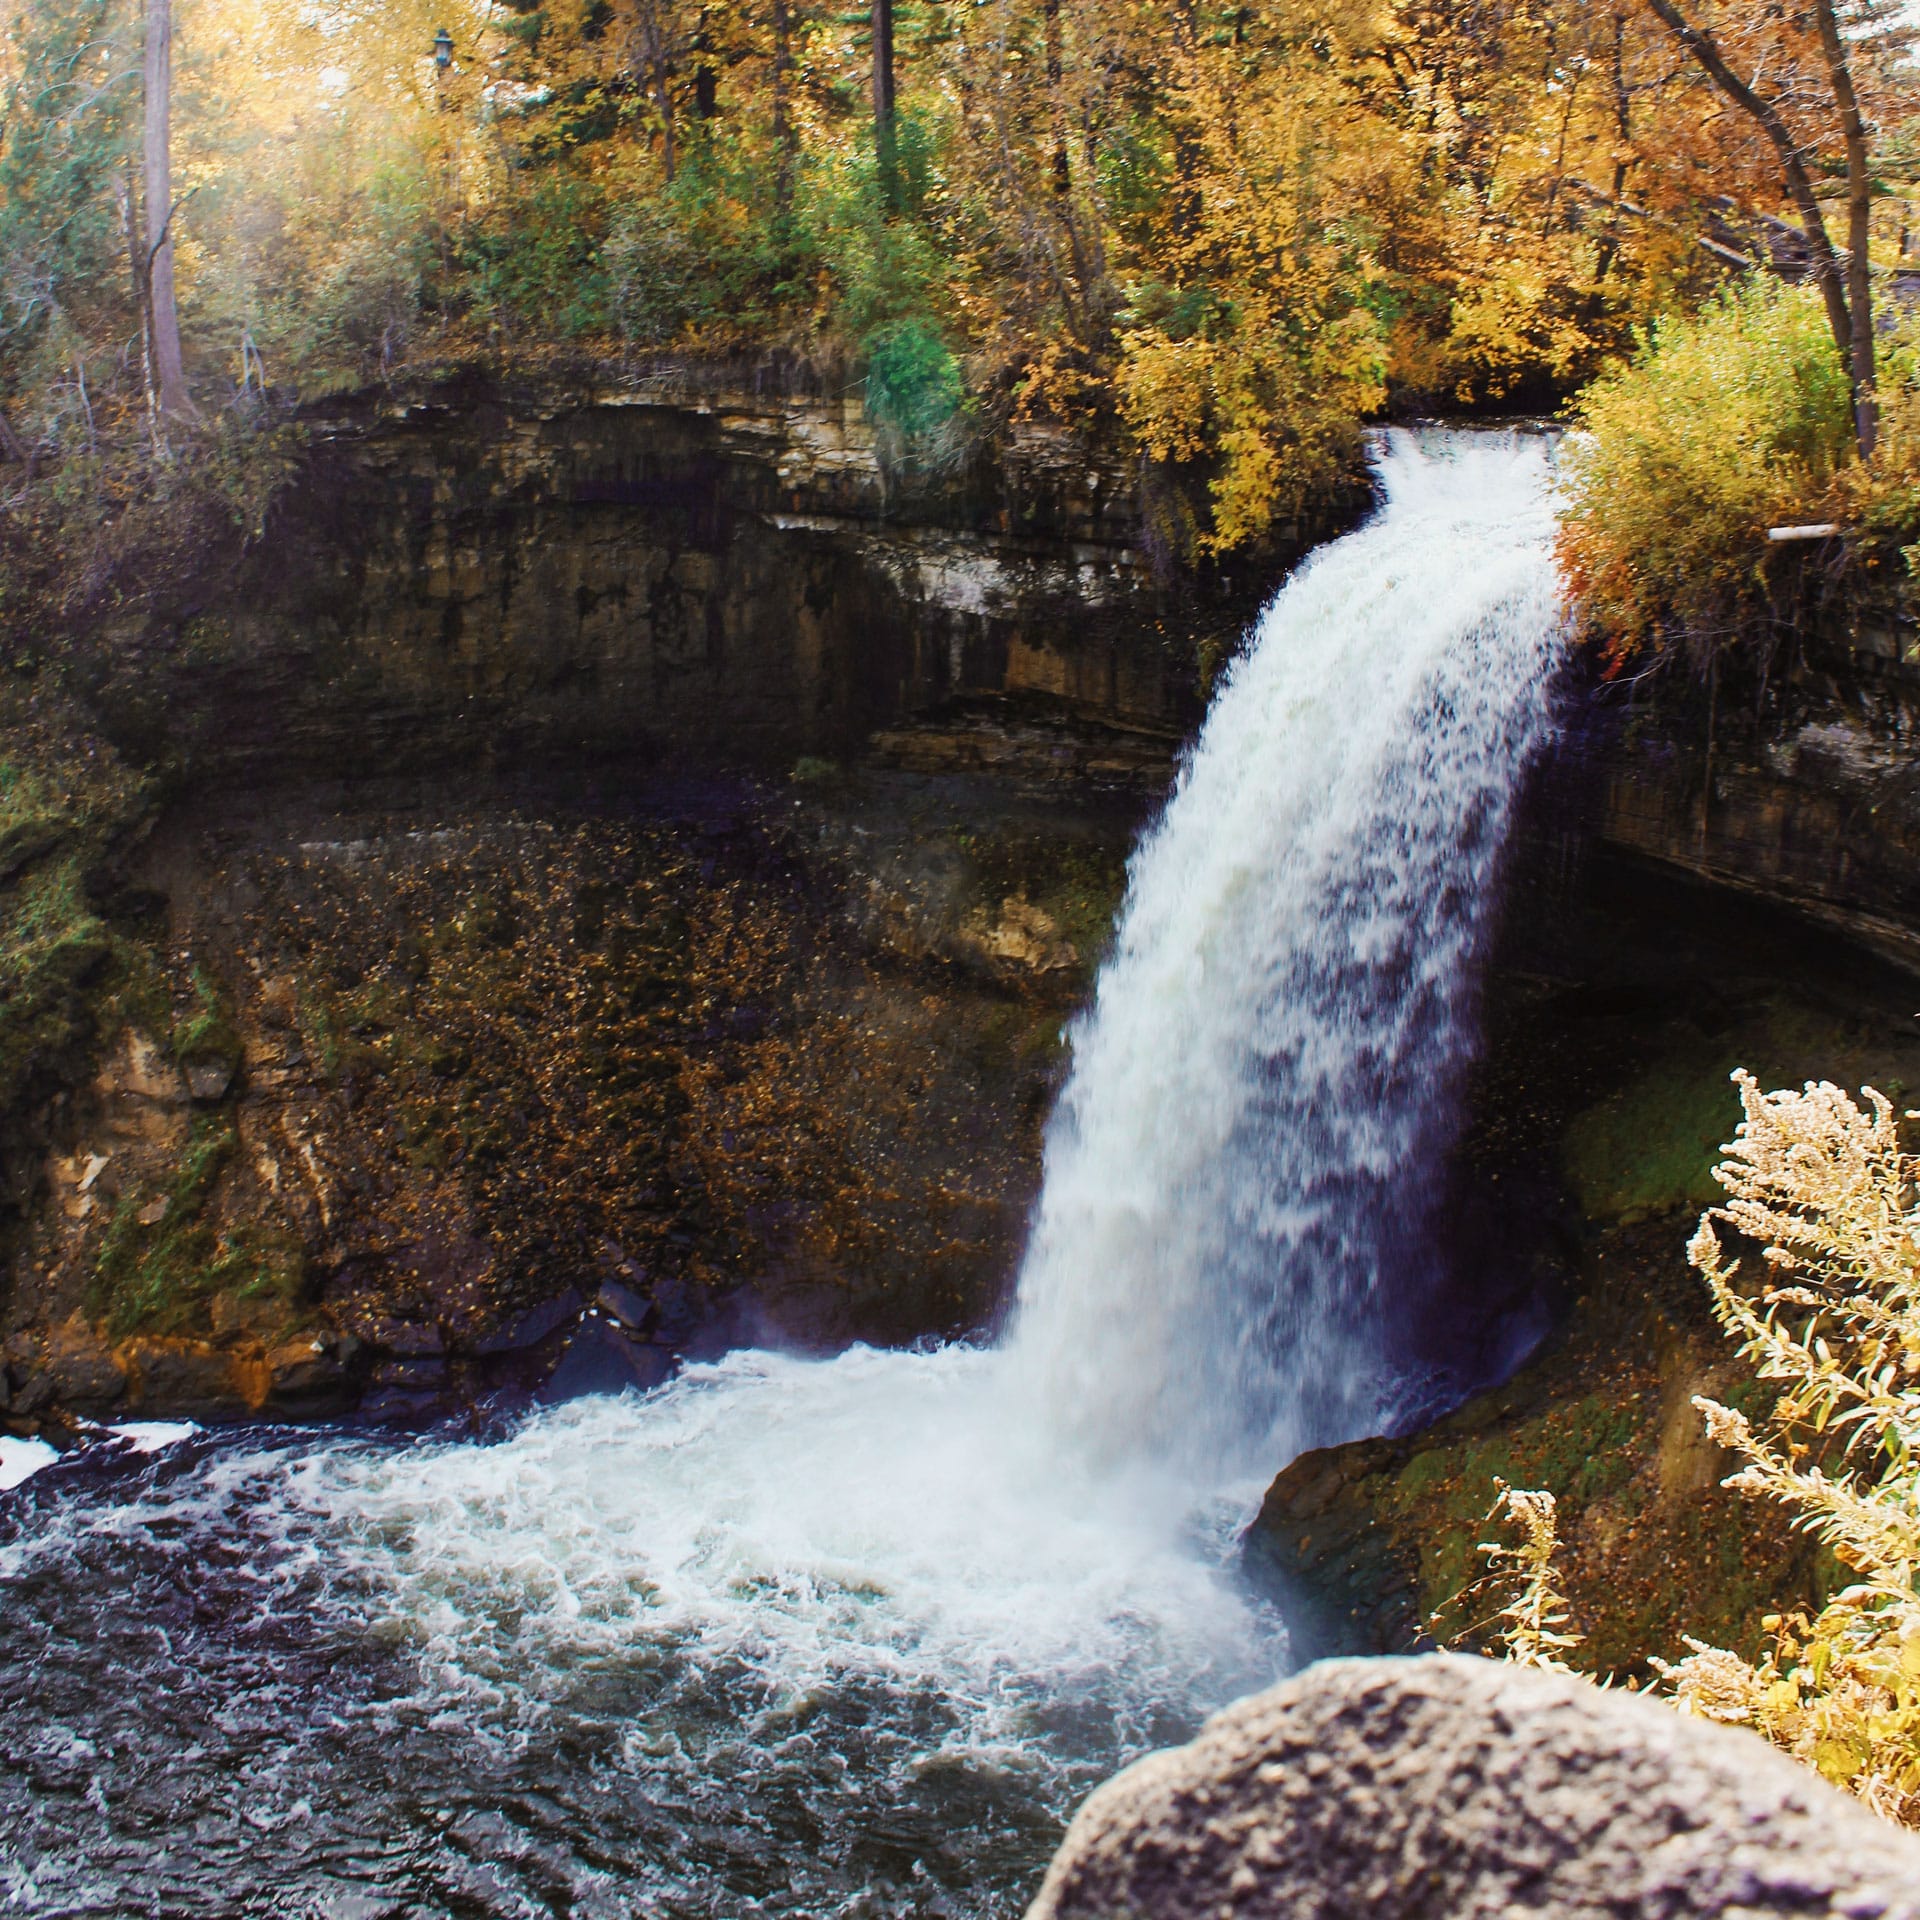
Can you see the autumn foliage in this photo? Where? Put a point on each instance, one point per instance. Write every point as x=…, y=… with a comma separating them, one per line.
x=1724, y=424
x=1222, y=234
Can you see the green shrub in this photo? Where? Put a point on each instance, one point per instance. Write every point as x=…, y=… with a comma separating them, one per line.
x=878, y=271
x=537, y=260
x=1725, y=423
x=913, y=381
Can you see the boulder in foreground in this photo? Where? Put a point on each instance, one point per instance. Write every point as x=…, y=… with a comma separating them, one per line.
x=1458, y=1787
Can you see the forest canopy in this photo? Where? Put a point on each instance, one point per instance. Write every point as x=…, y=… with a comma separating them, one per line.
x=1224, y=234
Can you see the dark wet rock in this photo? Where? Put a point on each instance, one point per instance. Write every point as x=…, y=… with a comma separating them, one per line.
x=33, y=1397
x=1403, y=1789
x=209, y=1080
x=631, y=1309
x=400, y=1406
x=309, y=1379
x=1346, y=1581
x=187, y=1378
x=81, y=1368
x=679, y=1310
x=427, y=1371
x=404, y=1337
x=530, y=1327
x=600, y=1358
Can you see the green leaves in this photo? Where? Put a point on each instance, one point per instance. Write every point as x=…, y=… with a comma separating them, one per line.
x=913, y=381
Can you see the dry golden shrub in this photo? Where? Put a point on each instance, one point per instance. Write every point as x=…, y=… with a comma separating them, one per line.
x=1826, y=1190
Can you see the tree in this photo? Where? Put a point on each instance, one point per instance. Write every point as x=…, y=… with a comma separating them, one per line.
x=885, y=144
x=163, y=316
x=65, y=104
x=1801, y=95
x=785, y=143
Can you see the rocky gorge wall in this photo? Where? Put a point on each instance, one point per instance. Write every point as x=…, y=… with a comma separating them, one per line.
x=535, y=827
x=412, y=721
x=1799, y=787
x=668, y=568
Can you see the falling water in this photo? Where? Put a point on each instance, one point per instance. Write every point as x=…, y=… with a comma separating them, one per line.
x=851, y=1636
x=1244, y=1156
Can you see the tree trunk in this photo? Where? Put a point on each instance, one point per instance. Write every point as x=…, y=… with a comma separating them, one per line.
x=137, y=265
x=657, y=75
x=884, y=144
x=1866, y=418
x=1056, y=105
x=169, y=378
x=1187, y=153
x=1826, y=268
x=1609, y=248
x=783, y=130
x=706, y=77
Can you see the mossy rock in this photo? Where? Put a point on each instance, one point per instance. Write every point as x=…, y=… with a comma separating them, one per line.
x=163, y=1261
x=1376, y=1547
x=1651, y=1148
x=66, y=803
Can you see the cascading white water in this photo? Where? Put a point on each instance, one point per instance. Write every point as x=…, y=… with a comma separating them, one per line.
x=1258, y=1094
x=809, y=1637
x=1261, y=1087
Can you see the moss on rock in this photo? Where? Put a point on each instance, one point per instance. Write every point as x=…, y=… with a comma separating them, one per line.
x=66, y=803
x=163, y=1263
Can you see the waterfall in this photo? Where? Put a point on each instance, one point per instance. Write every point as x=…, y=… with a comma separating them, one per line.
x=851, y=1636
x=1247, y=1147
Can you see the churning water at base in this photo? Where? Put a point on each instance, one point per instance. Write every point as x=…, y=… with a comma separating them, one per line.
x=851, y=1637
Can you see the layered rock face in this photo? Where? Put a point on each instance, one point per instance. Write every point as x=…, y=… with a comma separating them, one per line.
x=680, y=568
x=1801, y=789
x=407, y=1105
x=1411, y=1789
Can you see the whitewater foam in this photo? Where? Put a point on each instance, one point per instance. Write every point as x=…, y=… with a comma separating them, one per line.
x=885, y=1515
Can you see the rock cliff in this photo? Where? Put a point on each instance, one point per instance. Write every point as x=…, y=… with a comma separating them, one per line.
x=705, y=569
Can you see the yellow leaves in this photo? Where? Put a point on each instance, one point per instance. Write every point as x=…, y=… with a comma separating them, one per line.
x=1725, y=424
x=1507, y=331
x=1166, y=388
x=1252, y=478
x=1782, y=1697
x=1272, y=406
